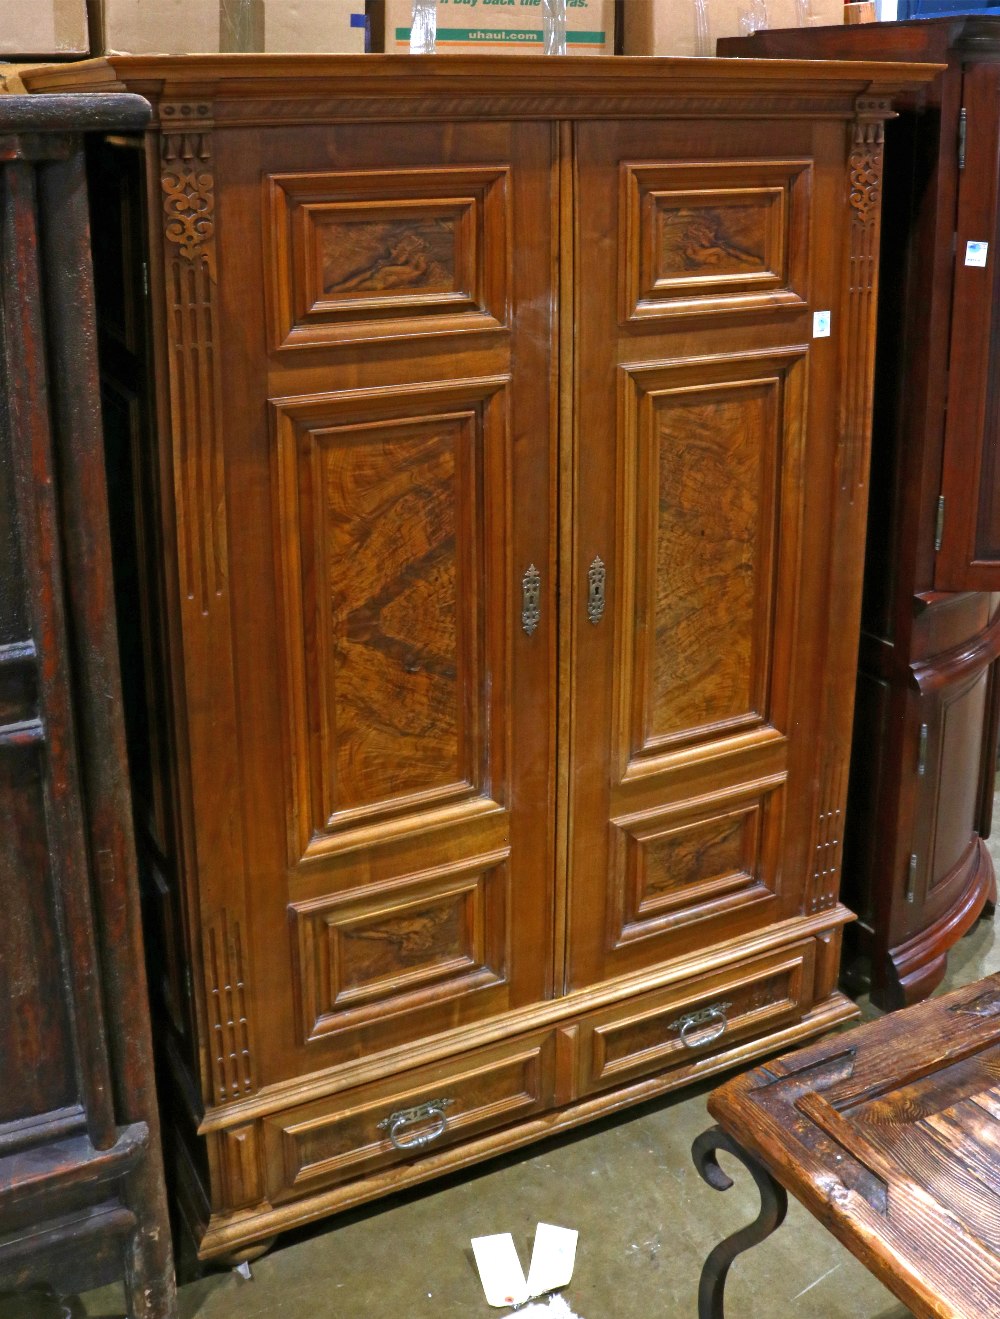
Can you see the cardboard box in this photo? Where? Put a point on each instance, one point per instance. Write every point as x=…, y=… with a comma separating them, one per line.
x=860, y=13
x=687, y=27
x=43, y=27
x=194, y=27
x=509, y=27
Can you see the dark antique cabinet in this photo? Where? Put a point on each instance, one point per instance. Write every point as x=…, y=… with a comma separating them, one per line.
x=82, y=1201
x=916, y=867
x=499, y=511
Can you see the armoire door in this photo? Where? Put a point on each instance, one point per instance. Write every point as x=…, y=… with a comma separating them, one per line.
x=704, y=450
x=968, y=532
x=385, y=714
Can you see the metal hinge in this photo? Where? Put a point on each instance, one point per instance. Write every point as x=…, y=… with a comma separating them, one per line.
x=939, y=524
x=911, y=877
x=962, y=125
x=188, y=983
x=145, y=280
x=922, y=750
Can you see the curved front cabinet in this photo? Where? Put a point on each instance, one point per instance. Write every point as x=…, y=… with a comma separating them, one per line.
x=948, y=873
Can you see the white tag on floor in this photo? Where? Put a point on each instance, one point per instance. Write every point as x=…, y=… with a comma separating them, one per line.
x=554, y=1308
x=552, y=1259
x=500, y=1270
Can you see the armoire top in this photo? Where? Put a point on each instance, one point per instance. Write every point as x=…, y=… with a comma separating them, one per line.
x=250, y=87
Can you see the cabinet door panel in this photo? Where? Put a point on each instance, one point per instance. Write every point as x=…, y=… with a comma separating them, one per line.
x=702, y=445
x=951, y=706
x=696, y=430
x=969, y=557
x=394, y=529
x=384, y=500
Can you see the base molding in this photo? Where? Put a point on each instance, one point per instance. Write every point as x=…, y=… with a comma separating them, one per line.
x=915, y=968
x=225, y=1234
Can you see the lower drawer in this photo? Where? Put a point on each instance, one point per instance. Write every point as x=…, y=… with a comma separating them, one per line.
x=673, y=1027
x=359, y=1131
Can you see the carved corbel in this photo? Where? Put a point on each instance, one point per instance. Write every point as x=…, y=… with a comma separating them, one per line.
x=865, y=195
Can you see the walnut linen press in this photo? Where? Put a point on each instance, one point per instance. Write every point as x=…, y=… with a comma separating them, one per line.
x=499, y=516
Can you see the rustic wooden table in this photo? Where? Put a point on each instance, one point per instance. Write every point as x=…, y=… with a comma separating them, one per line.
x=890, y=1136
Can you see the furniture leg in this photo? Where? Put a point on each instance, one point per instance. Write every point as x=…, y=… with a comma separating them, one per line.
x=773, y=1207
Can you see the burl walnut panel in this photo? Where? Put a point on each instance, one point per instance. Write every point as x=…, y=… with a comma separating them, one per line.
x=382, y=949
x=707, y=446
x=686, y=863
x=392, y=517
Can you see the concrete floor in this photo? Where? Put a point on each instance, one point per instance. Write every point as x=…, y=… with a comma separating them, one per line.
x=646, y=1223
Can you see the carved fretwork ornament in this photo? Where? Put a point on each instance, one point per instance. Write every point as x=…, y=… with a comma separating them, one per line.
x=864, y=174
x=231, y=1053
x=828, y=840
x=187, y=179
x=866, y=157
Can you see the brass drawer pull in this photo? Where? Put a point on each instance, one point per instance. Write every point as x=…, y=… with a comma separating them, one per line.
x=692, y=1021
x=531, y=601
x=397, y=1123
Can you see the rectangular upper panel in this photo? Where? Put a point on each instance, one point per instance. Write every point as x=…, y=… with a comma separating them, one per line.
x=714, y=236
x=384, y=254
x=392, y=533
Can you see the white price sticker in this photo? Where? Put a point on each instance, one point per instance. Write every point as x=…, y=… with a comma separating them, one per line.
x=976, y=253
x=821, y=325
x=500, y=1270
x=552, y=1259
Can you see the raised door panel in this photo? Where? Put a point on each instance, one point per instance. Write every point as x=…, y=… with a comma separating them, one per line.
x=702, y=443
x=697, y=412
x=385, y=497
x=394, y=529
x=382, y=254
x=951, y=710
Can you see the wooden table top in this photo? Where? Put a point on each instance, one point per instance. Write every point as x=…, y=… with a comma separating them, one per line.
x=890, y=1135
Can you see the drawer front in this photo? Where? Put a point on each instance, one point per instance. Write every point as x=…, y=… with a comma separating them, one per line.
x=676, y=1027
x=357, y=1132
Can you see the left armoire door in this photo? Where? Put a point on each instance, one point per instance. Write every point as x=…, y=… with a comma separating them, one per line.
x=374, y=622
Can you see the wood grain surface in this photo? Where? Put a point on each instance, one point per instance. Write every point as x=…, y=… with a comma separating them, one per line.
x=890, y=1135
x=452, y=348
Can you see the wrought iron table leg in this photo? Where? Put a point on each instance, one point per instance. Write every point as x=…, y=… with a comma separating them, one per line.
x=773, y=1206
